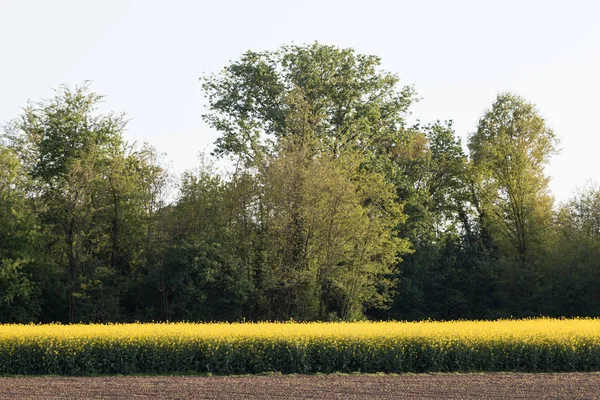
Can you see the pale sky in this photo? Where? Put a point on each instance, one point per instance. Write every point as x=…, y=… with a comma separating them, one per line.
x=147, y=56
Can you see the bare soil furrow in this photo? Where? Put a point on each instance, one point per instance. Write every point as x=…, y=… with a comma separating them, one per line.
x=422, y=386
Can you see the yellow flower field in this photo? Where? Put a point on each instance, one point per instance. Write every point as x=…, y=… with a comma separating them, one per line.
x=508, y=345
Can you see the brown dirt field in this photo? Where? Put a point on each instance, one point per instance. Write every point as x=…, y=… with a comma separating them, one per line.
x=422, y=386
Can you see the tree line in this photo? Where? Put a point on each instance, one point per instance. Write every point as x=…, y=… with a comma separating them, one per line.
x=334, y=208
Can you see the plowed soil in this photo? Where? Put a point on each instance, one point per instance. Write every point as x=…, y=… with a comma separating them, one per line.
x=422, y=386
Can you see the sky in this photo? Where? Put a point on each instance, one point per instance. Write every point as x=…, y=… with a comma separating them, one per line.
x=147, y=56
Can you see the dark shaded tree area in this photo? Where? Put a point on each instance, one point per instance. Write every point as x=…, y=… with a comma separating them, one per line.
x=336, y=208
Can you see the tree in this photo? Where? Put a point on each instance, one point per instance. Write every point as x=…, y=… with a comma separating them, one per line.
x=18, y=293
x=348, y=102
x=509, y=151
x=449, y=274
x=76, y=158
x=295, y=114
x=573, y=274
x=330, y=237
x=201, y=276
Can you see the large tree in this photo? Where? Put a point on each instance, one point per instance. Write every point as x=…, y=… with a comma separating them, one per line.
x=93, y=195
x=304, y=121
x=346, y=99
x=509, y=151
x=331, y=237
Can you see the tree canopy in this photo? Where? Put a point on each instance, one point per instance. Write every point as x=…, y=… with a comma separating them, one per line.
x=336, y=208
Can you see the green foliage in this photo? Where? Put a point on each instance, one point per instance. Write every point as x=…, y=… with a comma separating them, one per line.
x=90, y=193
x=335, y=209
x=18, y=300
x=16, y=293
x=330, y=234
x=201, y=276
x=237, y=357
x=348, y=102
x=510, y=149
x=571, y=283
x=304, y=120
